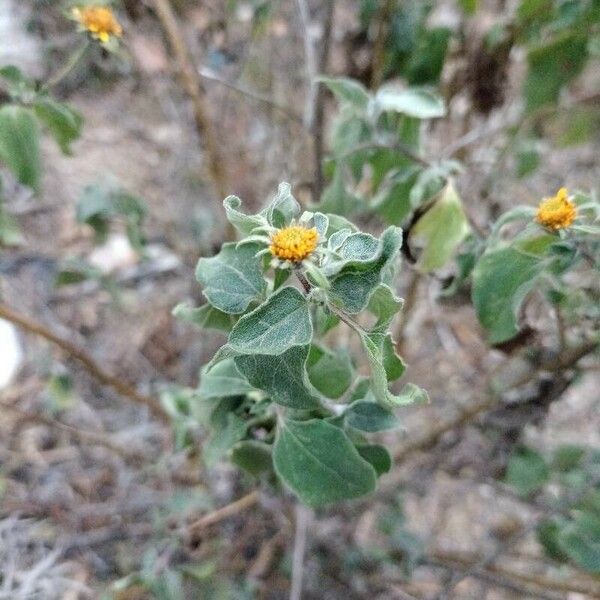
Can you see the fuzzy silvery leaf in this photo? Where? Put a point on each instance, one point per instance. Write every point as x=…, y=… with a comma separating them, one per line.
x=502, y=278
x=420, y=103
x=321, y=222
x=205, y=317
x=319, y=463
x=377, y=456
x=280, y=323
x=232, y=279
x=381, y=362
x=20, y=144
x=242, y=222
x=440, y=230
x=347, y=91
x=337, y=198
x=370, y=417
x=354, y=283
x=223, y=380
x=384, y=305
x=283, y=208
x=252, y=456
x=329, y=372
x=222, y=441
x=282, y=377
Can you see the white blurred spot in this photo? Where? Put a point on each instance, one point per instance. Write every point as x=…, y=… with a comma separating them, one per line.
x=11, y=354
x=115, y=254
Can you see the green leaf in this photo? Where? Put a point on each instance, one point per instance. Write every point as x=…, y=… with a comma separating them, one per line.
x=548, y=535
x=282, y=377
x=330, y=372
x=224, y=439
x=63, y=122
x=283, y=208
x=232, y=279
x=379, y=361
x=337, y=199
x=420, y=103
x=318, y=462
x=347, y=91
x=243, y=223
x=10, y=234
x=501, y=281
x=527, y=471
x=392, y=200
x=252, y=456
x=362, y=267
x=370, y=417
x=377, y=456
x=384, y=305
x=223, y=380
x=411, y=394
x=20, y=145
x=552, y=65
x=277, y=325
x=581, y=541
x=205, y=317
x=440, y=230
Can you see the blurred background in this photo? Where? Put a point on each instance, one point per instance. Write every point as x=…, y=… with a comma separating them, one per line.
x=95, y=500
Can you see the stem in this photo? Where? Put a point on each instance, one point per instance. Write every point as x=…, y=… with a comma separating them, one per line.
x=303, y=517
x=71, y=63
x=319, y=113
x=302, y=279
x=225, y=511
x=383, y=26
x=86, y=360
x=190, y=79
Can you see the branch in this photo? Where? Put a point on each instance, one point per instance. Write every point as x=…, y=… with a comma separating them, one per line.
x=384, y=19
x=468, y=562
x=192, y=85
x=303, y=516
x=225, y=512
x=310, y=56
x=86, y=360
x=431, y=436
x=284, y=110
x=83, y=435
x=319, y=113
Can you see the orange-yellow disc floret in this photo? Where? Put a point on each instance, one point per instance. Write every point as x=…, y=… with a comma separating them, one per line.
x=557, y=212
x=294, y=243
x=100, y=21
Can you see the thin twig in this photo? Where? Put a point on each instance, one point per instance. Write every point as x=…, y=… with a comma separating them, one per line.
x=468, y=560
x=319, y=116
x=310, y=56
x=86, y=360
x=224, y=512
x=192, y=85
x=83, y=435
x=400, y=148
x=285, y=110
x=500, y=549
x=499, y=580
x=384, y=19
x=303, y=517
x=431, y=436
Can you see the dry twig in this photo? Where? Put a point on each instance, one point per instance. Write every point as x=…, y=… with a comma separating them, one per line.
x=192, y=84
x=225, y=512
x=86, y=360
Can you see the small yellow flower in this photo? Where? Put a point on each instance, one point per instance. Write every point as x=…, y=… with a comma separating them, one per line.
x=557, y=212
x=100, y=21
x=294, y=243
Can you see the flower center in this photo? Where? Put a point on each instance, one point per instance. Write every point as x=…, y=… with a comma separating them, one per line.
x=100, y=21
x=557, y=212
x=294, y=243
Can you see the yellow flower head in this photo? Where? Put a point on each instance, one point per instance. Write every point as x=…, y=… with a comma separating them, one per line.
x=100, y=21
x=294, y=243
x=557, y=212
